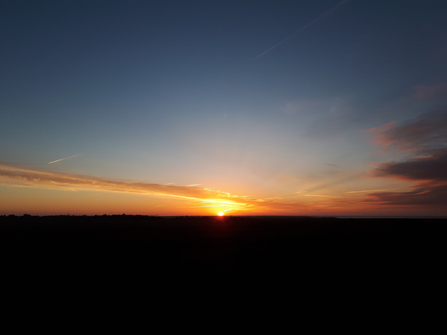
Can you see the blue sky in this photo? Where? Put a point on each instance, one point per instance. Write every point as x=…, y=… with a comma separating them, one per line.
x=184, y=93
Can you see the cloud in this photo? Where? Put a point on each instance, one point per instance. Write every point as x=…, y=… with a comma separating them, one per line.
x=433, y=168
x=369, y=191
x=16, y=176
x=425, y=133
x=305, y=106
x=425, y=138
x=331, y=183
x=430, y=93
x=335, y=117
x=429, y=195
x=341, y=3
x=62, y=159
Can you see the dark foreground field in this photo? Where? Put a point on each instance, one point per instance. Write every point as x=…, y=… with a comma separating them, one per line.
x=347, y=270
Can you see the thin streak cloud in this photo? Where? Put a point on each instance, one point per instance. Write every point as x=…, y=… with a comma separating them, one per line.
x=341, y=3
x=62, y=159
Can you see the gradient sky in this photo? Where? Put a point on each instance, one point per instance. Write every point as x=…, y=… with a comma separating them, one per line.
x=315, y=107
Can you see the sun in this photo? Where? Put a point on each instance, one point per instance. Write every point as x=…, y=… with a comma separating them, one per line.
x=220, y=213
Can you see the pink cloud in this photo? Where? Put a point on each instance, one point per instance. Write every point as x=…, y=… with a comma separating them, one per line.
x=381, y=128
x=422, y=134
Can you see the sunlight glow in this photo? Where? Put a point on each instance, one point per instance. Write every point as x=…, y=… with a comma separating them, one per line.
x=220, y=213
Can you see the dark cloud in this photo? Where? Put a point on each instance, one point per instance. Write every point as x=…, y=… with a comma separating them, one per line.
x=432, y=167
x=423, y=134
x=426, y=195
x=426, y=138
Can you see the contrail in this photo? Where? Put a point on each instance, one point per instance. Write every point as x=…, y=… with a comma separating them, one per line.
x=341, y=3
x=62, y=159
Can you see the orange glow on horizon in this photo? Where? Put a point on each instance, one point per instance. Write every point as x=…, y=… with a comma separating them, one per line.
x=55, y=193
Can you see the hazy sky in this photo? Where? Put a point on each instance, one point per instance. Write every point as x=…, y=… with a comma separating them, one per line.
x=313, y=107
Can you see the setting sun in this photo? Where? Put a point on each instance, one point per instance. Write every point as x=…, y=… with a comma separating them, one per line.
x=220, y=213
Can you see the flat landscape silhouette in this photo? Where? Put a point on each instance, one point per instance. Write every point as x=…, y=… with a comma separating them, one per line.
x=216, y=246
x=310, y=262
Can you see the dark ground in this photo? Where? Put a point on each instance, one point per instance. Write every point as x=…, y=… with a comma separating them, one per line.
x=348, y=271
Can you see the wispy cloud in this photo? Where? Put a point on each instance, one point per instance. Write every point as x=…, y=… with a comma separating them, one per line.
x=327, y=185
x=423, y=134
x=430, y=93
x=12, y=175
x=341, y=3
x=321, y=196
x=427, y=195
x=62, y=159
x=49, y=179
x=370, y=191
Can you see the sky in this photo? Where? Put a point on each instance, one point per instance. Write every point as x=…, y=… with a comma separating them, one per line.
x=312, y=107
